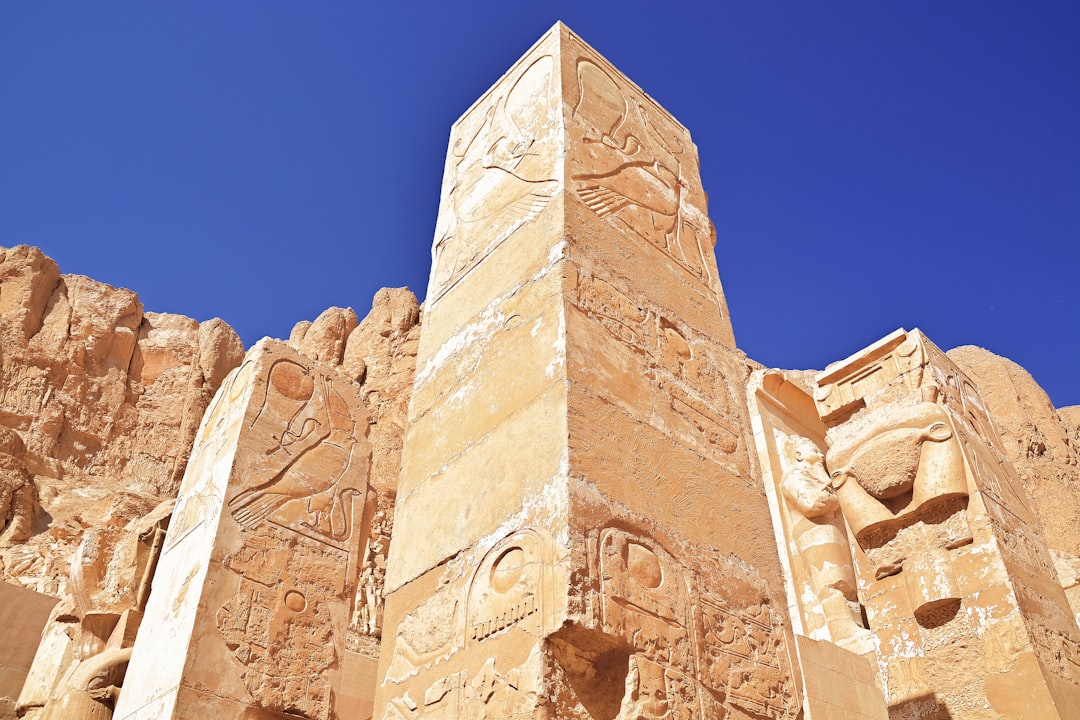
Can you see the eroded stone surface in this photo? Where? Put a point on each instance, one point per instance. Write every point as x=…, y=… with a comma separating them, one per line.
x=1038, y=440
x=605, y=510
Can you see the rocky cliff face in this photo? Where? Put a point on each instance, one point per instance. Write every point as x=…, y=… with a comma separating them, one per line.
x=99, y=403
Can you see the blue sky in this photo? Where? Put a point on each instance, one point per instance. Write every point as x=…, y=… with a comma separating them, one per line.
x=870, y=165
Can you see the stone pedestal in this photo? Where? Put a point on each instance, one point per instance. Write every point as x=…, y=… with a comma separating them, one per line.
x=578, y=531
x=257, y=574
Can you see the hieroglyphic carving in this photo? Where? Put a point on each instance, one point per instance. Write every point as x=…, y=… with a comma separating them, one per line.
x=309, y=477
x=1059, y=651
x=508, y=587
x=300, y=512
x=506, y=591
x=365, y=627
x=501, y=171
x=631, y=166
x=679, y=363
x=721, y=636
x=486, y=693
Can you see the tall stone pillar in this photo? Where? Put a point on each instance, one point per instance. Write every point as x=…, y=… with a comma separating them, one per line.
x=578, y=532
x=254, y=586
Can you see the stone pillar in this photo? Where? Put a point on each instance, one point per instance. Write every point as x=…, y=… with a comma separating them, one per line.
x=253, y=589
x=956, y=580
x=578, y=529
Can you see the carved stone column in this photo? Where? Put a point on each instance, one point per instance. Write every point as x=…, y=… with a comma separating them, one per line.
x=254, y=586
x=578, y=530
x=956, y=579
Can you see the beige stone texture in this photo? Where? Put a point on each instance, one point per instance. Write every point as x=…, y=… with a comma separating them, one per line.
x=956, y=580
x=23, y=615
x=806, y=517
x=577, y=506
x=104, y=399
x=839, y=684
x=258, y=572
x=1043, y=447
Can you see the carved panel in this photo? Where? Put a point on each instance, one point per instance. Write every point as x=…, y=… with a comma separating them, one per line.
x=694, y=401
x=298, y=502
x=487, y=692
x=634, y=166
x=501, y=170
x=846, y=386
x=707, y=632
x=509, y=588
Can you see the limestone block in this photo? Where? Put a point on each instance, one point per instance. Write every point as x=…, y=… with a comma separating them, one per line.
x=23, y=615
x=254, y=589
x=54, y=655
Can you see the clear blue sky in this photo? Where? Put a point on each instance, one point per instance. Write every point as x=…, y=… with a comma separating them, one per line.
x=869, y=165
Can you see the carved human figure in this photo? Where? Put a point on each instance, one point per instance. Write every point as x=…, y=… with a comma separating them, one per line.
x=818, y=531
x=110, y=582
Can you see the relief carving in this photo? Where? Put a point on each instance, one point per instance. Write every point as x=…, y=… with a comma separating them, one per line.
x=302, y=512
x=365, y=627
x=899, y=474
x=501, y=172
x=486, y=693
x=317, y=464
x=508, y=589
x=631, y=169
x=817, y=529
x=694, y=398
x=703, y=642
